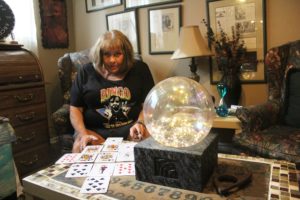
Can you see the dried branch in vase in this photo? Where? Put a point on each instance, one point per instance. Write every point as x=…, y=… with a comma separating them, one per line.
x=230, y=52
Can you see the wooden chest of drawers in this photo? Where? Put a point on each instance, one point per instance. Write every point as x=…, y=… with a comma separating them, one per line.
x=23, y=101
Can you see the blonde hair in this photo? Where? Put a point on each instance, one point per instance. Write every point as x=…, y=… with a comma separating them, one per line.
x=113, y=39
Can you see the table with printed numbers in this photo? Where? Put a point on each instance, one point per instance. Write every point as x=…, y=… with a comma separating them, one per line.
x=271, y=179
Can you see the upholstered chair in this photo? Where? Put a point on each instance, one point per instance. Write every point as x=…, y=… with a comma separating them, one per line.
x=272, y=129
x=67, y=69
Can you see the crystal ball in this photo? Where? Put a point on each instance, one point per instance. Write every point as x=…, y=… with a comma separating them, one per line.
x=178, y=112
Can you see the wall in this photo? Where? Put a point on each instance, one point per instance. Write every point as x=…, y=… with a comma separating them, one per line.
x=278, y=31
x=84, y=28
x=48, y=59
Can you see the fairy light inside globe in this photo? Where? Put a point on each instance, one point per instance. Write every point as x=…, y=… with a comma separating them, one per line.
x=178, y=112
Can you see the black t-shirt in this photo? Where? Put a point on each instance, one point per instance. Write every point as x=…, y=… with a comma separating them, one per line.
x=110, y=107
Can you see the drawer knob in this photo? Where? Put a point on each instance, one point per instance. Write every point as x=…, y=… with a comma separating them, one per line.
x=24, y=98
x=30, y=162
x=26, y=139
x=26, y=117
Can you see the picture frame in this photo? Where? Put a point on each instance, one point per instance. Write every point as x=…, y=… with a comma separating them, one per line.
x=127, y=23
x=251, y=15
x=132, y=4
x=96, y=5
x=54, y=24
x=163, y=29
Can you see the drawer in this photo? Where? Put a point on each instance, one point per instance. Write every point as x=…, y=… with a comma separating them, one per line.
x=25, y=115
x=21, y=97
x=32, y=160
x=30, y=136
x=19, y=67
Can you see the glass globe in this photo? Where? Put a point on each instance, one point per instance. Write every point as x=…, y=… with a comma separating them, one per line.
x=178, y=112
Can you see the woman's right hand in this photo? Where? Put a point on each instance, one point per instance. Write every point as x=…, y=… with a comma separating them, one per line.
x=82, y=140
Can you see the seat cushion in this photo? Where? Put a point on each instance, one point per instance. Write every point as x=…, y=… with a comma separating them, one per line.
x=66, y=142
x=279, y=142
x=292, y=114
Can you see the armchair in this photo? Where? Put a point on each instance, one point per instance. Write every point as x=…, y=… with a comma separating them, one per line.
x=67, y=69
x=272, y=129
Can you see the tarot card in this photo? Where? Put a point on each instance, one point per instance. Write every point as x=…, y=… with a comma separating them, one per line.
x=87, y=157
x=68, y=158
x=124, y=168
x=125, y=156
x=91, y=149
x=106, y=157
x=102, y=169
x=113, y=140
x=79, y=170
x=110, y=147
x=97, y=184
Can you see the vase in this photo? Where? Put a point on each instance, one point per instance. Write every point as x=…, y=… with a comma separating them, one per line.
x=222, y=109
x=234, y=88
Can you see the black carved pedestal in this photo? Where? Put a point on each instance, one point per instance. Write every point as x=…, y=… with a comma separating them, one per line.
x=187, y=168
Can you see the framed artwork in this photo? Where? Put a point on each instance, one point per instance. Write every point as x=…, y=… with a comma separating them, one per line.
x=95, y=5
x=164, y=25
x=250, y=16
x=126, y=22
x=54, y=24
x=130, y=4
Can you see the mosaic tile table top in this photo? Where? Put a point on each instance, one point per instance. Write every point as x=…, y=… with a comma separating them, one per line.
x=271, y=179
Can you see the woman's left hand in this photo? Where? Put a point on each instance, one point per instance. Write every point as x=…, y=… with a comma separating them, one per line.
x=138, y=132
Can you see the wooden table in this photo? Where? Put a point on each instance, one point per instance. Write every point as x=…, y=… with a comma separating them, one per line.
x=226, y=127
x=230, y=122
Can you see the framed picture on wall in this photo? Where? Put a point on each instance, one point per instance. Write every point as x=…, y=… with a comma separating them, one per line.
x=164, y=24
x=130, y=4
x=126, y=22
x=250, y=17
x=54, y=24
x=95, y=5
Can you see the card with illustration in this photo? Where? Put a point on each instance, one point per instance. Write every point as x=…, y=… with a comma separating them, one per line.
x=111, y=147
x=97, y=184
x=68, y=158
x=79, y=170
x=91, y=149
x=106, y=157
x=124, y=168
x=87, y=157
x=102, y=169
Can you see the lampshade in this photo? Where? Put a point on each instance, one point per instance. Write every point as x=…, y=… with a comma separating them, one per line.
x=191, y=44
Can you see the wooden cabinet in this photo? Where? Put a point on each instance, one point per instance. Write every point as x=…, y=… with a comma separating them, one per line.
x=23, y=101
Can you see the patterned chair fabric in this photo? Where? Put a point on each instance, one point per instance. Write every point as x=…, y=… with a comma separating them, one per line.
x=67, y=69
x=264, y=130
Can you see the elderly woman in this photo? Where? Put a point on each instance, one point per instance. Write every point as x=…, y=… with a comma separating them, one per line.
x=107, y=95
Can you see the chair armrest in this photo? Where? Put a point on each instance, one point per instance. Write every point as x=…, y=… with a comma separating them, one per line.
x=259, y=117
x=61, y=120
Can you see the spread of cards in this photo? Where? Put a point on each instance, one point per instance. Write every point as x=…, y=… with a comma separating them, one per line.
x=99, y=162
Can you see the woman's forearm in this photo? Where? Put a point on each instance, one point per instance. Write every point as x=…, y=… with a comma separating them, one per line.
x=76, y=118
x=141, y=116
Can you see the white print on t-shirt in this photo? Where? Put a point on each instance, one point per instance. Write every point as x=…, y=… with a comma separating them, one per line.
x=116, y=106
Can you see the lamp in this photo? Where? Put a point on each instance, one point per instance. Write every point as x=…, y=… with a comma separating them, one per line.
x=191, y=44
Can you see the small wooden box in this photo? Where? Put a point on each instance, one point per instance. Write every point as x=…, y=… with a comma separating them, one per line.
x=187, y=168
